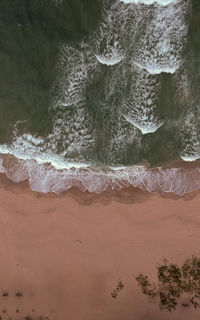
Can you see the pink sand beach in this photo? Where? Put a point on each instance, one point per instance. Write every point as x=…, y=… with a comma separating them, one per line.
x=62, y=255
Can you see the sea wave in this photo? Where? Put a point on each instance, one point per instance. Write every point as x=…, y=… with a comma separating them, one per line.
x=190, y=135
x=161, y=45
x=110, y=60
x=44, y=177
x=137, y=43
x=188, y=100
x=107, y=42
x=141, y=104
x=149, y=2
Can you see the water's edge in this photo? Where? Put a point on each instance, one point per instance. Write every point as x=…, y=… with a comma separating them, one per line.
x=44, y=177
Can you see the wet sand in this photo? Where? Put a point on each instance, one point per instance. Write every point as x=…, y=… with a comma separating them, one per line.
x=64, y=254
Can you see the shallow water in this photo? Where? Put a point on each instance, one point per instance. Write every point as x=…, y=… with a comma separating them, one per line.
x=100, y=94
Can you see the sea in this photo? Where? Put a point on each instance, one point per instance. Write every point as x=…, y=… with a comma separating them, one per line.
x=100, y=94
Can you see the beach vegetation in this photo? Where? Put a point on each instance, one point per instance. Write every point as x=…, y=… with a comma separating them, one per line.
x=173, y=283
x=116, y=291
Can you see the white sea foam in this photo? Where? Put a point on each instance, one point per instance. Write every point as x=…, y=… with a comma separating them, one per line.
x=109, y=60
x=1, y=166
x=45, y=178
x=190, y=135
x=153, y=69
x=183, y=87
x=190, y=158
x=124, y=136
x=149, y=2
x=56, y=161
x=76, y=67
x=108, y=41
x=72, y=133
x=141, y=104
x=70, y=138
x=190, y=119
x=161, y=41
x=145, y=127
x=131, y=96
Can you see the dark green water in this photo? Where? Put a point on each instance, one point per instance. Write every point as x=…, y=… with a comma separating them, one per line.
x=31, y=33
x=98, y=83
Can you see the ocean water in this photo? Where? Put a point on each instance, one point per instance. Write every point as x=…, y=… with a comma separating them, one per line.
x=100, y=94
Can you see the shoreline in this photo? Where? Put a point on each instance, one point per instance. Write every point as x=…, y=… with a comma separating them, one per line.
x=127, y=195
x=177, y=177
x=66, y=253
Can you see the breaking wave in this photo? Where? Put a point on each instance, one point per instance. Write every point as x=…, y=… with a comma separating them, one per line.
x=120, y=72
x=107, y=42
x=149, y=2
x=153, y=37
x=141, y=105
x=161, y=45
x=44, y=177
x=191, y=135
x=190, y=118
x=33, y=159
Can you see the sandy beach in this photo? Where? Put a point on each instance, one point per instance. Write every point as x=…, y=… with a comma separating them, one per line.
x=62, y=255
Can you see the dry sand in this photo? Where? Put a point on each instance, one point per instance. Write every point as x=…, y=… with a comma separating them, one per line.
x=66, y=253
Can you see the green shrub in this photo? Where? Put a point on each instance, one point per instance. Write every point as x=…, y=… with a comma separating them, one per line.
x=173, y=283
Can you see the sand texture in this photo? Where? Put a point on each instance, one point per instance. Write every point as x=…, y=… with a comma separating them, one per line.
x=61, y=256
